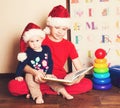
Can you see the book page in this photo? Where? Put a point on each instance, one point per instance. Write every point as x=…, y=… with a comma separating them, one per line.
x=58, y=80
x=81, y=72
x=70, y=77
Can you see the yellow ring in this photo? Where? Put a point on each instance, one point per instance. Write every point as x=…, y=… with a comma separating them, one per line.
x=100, y=65
x=104, y=60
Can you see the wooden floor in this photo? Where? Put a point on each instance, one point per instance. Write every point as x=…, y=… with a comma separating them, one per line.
x=92, y=99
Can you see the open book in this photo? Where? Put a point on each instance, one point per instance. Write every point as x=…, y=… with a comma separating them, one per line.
x=71, y=78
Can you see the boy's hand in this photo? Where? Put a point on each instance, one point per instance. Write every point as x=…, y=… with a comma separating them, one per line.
x=39, y=76
x=77, y=80
x=50, y=76
x=19, y=78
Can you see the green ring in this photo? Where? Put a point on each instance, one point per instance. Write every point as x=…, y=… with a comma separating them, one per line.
x=101, y=70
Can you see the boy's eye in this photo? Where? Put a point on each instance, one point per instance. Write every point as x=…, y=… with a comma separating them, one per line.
x=57, y=27
x=64, y=28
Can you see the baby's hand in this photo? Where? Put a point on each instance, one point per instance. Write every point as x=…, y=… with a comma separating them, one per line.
x=19, y=78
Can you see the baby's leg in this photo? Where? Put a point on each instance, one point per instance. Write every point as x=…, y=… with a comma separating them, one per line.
x=59, y=88
x=34, y=89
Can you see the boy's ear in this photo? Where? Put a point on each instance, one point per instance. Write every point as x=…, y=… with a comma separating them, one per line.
x=47, y=30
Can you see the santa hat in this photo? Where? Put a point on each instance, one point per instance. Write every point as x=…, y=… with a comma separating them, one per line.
x=59, y=16
x=30, y=30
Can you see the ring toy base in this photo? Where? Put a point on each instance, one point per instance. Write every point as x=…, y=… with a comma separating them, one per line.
x=102, y=87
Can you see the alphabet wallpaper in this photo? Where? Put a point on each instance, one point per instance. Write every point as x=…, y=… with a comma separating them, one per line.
x=96, y=24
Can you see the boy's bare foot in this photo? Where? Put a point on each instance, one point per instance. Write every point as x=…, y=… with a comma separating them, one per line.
x=39, y=100
x=65, y=94
x=68, y=96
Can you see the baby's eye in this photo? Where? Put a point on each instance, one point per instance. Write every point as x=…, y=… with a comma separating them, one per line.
x=37, y=40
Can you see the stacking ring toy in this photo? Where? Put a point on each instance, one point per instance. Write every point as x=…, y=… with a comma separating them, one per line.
x=102, y=75
x=102, y=87
x=102, y=81
x=104, y=60
x=100, y=65
x=101, y=70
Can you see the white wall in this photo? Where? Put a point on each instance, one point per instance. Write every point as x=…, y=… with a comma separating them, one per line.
x=14, y=16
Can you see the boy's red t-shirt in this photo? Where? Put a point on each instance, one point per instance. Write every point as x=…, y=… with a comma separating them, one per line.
x=61, y=51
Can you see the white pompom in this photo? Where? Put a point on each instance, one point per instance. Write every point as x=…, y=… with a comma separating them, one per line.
x=47, y=30
x=22, y=56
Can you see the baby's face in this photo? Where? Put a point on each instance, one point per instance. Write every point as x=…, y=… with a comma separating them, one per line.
x=35, y=42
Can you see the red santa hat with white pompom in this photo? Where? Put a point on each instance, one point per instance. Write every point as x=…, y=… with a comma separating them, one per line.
x=59, y=16
x=30, y=30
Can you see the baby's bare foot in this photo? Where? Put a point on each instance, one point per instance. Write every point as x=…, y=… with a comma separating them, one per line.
x=28, y=96
x=39, y=100
x=65, y=94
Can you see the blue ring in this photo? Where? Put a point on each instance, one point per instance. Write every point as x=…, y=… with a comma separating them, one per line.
x=102, y=75
x=102, y=87
x=102, y=81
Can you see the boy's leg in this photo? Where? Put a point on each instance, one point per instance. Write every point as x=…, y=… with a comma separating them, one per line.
x=83, y=86
x=17, y=88
x=59, y=88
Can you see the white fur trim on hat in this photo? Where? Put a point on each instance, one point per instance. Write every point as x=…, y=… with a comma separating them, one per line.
x=57, y=21
x=22, y=56
x=33, y=32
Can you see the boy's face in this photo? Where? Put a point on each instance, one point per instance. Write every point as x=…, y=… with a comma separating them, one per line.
x=35, y=42
x=58, y=32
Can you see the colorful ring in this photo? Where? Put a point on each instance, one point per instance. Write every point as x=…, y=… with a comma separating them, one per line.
x=101, y=70
x=102, y=81
x=102, y=75
x=104, y=60
x=102, y=87
x=100, y=65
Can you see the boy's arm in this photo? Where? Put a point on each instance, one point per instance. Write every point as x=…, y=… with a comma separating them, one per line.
x=38, y=75
x=50, y=61
x=30, y=70
x=77, y=64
